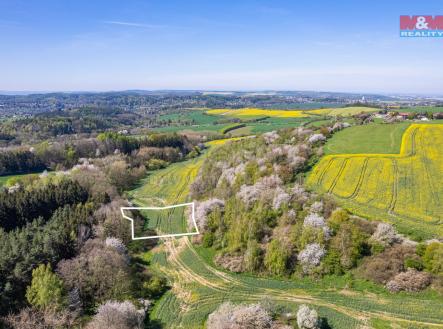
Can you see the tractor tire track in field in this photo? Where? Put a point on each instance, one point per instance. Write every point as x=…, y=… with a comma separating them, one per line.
x=360, y=180
x=231, y=287
x=394, y=192
x=186, y=271
x=408, y=190
x=337, y=177
x=430, y=182
x=323, y=173
x=222, y=286
x=413, y=150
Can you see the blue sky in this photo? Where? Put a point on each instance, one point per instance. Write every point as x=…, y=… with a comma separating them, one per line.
x=72, y=45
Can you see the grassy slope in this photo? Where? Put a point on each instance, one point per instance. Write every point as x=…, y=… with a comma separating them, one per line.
x=372, y=138
x=198, y=288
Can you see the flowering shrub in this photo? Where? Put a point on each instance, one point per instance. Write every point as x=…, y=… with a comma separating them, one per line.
x=229, y=316
x=411, y=281
x=270, y=137
x=311, y=256
x=203, y=209
x=117, y=315
x=307, y=318
x=385, y=235
x=117, y=244
x=316, y=138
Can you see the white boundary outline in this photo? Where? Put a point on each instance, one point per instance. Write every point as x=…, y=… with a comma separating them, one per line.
x=122, y=209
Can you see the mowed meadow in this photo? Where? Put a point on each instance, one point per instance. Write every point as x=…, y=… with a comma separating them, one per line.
x=405, y=189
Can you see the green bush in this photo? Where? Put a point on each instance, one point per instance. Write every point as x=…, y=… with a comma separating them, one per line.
x=154, y=164
x=232, y=127
x=277, y=257
x=331, y=263
x=156, y=286
x=377, y=248
x=46, y=289
x=433, y=258
x=208, y=239
x=253, y=256
x=414, y=263
x=338, y=217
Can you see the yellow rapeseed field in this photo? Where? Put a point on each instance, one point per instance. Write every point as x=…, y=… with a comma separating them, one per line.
x=404, y=187
x=255, y=112
x=343, y=111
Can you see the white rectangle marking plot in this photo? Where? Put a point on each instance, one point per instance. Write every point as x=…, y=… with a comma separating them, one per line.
x=192, y=204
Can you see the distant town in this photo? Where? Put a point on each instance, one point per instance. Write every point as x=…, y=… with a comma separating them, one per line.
x=147, y=102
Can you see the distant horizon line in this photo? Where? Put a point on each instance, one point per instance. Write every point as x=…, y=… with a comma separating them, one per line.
x=42, y=92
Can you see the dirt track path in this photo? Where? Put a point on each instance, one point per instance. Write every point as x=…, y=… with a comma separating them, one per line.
x=229, y=285
x=226, y=285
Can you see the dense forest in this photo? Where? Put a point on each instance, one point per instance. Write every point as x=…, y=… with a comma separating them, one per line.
x=64, y=248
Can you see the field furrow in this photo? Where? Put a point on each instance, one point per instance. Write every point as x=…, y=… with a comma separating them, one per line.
x=405, y=187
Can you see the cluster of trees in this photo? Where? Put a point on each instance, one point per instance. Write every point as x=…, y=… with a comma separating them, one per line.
x=24, y=205
x=65, y=154
x=403, y=266
x=48, y=125
x=127, y=144
x=253, y=209
x=70, y=256
x=40, y=241
x=65, y=251
x=19, y=161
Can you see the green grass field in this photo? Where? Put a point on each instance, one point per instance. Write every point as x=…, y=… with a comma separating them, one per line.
x=198, y=287
x=270, y=124
x=372, y=138
x=202, y=122
x=166, y=221
x=205, y=123
x=200, y=117
x=433, y=109
x=4, y=179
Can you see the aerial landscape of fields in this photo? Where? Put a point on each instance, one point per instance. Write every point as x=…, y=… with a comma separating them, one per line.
x=248, y=164
x=329, y=178
x=198, y=287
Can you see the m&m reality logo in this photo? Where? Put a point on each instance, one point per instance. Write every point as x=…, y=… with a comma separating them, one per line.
x=421, y=26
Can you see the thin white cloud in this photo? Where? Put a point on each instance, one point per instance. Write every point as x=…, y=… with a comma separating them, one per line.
x=134, y=24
